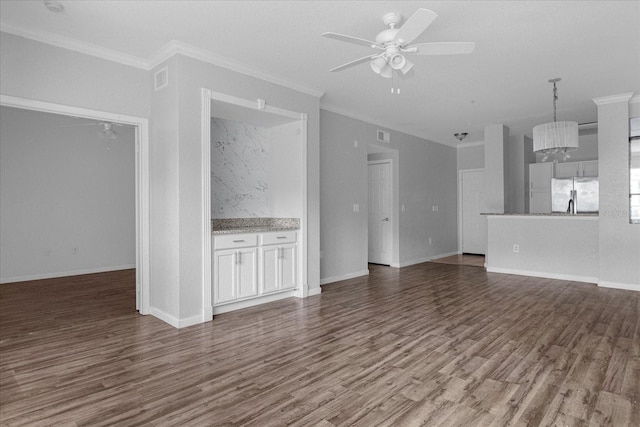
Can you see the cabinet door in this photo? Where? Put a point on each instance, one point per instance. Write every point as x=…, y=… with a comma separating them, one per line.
x=269, y=269
x=540, y=175
x=589, y=168
x=540, y=201
x=224, y=276
x=287, y=267
x=567, y=170
x=247, y=282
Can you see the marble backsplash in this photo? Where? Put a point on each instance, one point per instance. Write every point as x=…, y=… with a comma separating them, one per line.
x=239, y=170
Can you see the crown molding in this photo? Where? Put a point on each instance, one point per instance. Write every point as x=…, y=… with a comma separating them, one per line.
x=175, y=47
x=77, y=46
x=353, y=115
x=172, y=48
x=623, y=97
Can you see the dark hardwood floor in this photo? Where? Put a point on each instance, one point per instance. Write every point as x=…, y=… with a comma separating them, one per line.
x=431, y=344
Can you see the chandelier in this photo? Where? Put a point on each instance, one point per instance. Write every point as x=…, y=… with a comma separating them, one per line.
x=555, y=138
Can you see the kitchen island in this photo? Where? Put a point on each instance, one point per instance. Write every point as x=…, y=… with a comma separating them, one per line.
x=556, y=246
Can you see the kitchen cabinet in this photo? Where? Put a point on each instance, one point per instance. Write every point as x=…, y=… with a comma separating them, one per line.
x=247, y=266
x=572, y=169
x=235, y=269
x=278, y=261
x=540, y=176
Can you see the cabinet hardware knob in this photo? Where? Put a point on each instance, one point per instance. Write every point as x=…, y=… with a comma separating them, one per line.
x=281, y=237
x=238, y=241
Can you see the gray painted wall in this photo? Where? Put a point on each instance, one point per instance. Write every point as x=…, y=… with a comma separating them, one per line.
x=427, y=177
x=470, y=157
x=63, y=188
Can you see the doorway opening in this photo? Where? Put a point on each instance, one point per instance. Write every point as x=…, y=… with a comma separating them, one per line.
x=383, y=206
x=139, y=127
x=472, y=224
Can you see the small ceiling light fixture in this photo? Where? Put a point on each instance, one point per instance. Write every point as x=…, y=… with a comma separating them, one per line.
x=54, y=6
x=461, y=135
x=554, y=138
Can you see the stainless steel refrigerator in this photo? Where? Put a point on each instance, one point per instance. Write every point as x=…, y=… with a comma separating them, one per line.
x=575, y=195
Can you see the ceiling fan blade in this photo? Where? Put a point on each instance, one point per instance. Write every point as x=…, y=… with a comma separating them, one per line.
x=356, y=62
x=443, y=48
x=415, y=25
x=351, y=39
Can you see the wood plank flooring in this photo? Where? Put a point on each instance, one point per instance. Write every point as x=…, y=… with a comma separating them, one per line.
x=462, y=259
x=430, y=344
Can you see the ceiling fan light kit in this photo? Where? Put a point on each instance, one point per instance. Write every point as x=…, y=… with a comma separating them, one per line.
x=395, y=44
x=461, y=135
x=555, y=138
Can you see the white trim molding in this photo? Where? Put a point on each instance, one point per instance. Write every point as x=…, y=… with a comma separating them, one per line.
x=77, y=46
x=617, y=285
x=66, y=273
x=172, y=48
x=623, y=97
x=205, y=170
x=175, y=47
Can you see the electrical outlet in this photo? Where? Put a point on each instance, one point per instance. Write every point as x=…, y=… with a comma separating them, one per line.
x=356, y=207
x=429, y=240
x=402, y=208
x=516, y=248
x=321, y=254
x=75, y=250
x=355, y=143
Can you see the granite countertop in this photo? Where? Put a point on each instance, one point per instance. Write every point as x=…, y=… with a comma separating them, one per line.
x=560, y=214
x=253, y=225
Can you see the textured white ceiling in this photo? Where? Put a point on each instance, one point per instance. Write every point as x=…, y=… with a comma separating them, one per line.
x=594, y=46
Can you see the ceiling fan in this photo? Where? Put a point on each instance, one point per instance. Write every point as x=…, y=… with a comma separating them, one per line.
x=393, y=43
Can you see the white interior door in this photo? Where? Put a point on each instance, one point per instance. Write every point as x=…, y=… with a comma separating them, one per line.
x=380, y=213
x=474, y=225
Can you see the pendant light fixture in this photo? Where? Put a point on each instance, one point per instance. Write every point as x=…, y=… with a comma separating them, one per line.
x=555, y=138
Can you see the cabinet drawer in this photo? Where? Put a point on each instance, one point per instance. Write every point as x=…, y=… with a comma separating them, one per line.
x=278, y=237
x=230, y=241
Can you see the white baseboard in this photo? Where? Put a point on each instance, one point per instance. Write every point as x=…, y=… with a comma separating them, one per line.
x=65, y=273
x=617, y=285
x=314, y=291
x=546, y=275
x=165, y=317
x=174, y=321
x=347, y=276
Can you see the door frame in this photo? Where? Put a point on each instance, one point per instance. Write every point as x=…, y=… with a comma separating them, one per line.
x=460, y=203
x=141, y=126
x=392, y=211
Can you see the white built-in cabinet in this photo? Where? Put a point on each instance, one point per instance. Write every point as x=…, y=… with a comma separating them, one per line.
x=572, y=169
x=277, y=262
x=252, y=265
x=540, y=175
